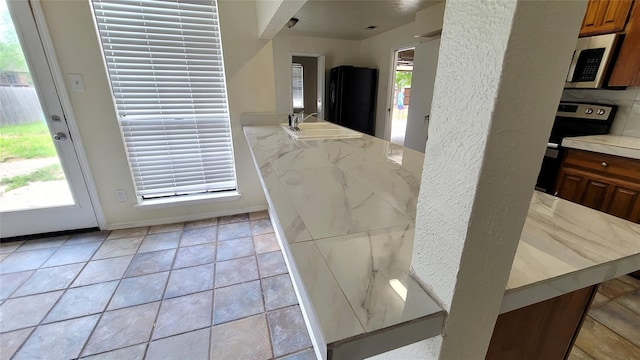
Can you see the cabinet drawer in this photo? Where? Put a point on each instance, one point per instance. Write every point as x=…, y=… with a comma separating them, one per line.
x=617, y=166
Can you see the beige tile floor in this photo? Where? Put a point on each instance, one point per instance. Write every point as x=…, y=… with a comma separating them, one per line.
x=612, y=327
x=209, y=289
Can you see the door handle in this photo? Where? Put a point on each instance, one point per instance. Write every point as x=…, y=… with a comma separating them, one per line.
x=60, y=136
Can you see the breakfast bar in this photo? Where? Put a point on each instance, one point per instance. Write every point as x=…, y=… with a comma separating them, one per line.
x=344, y=210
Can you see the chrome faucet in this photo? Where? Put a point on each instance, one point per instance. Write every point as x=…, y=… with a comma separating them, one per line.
x=299, y=118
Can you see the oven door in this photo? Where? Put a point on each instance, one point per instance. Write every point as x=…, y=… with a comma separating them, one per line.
x=549, y=169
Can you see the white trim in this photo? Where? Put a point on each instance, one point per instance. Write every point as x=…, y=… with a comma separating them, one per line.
x=192, y=199
x=320, y=80
x=192, y=217
x=391, y=85
x=65, y=102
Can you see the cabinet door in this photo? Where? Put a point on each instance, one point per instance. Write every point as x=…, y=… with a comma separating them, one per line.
x=583, y=188
x=626, y=71
x=605, y=16
x=624, y=202
x=570, y=184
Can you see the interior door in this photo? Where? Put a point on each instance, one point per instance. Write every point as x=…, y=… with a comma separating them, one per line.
x=425, y=63
x=42, y=185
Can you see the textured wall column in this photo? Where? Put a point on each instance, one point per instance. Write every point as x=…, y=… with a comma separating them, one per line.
x=501, y=70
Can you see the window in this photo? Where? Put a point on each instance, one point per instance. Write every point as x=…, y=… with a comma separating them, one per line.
x=297, y=85
x=165, y=66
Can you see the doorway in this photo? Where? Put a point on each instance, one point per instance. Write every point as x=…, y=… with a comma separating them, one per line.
x=307, y=83
x=401, y=93
x=42, y=187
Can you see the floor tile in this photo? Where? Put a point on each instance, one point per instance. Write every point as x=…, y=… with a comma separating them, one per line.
x=200, y=223
x=82, y=301
x=46, y=243
x=11, y=246
x=234, y=231
x=135, y=352
x=139, y=290
x=278, y=292
x=271, y=264
x=619, y=319
x=183, y=314
x=629, y=280
x=10, y=282
x=195, y=255
x=578, y=354
x=25, y=260
x=238, y=301
x=86, y=237
x=631, y=302
x=233, y=219
x=199, y=236
x=103, y=270
x=161, y=241
x=157, y=229
x=121, y=328
x=600, y=342
x=49, y=279
x=71, y=254
x=614, y=288
x=190, y=280
x=266, y=243
x=599, y=299
x=126, y=233
x=11, y=341
x=193, y=345
x=236, y=271
x=259, y=215
x=232, y=249
x=151, y=262
x=61, y=340
x=261, y=227
x=288, y=331
x=118, y=247
x=308, y=354
x=230, y=340
x=26, y=311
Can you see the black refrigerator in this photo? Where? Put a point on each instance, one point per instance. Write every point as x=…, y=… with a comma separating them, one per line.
x=352, y=97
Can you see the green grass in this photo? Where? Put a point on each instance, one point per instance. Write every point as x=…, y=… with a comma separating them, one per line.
x=51, y=172
x=26, y=141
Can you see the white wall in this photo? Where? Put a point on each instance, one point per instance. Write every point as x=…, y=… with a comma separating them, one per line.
x=377, y=52
x=337, y=52
x=250, y=84
x=627, y=120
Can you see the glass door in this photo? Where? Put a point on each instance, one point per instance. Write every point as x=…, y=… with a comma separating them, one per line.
x=42, y=188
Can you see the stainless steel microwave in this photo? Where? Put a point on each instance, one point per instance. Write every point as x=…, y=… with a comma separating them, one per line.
x=592, y=59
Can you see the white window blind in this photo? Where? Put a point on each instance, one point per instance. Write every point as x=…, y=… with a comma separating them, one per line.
x=164, y=60
x=297, y=85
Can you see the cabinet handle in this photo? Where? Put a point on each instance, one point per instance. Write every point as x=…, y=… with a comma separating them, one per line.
x=604, y=164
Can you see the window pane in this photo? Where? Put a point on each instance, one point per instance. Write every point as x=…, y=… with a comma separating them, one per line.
x=165, y=66
x=297, y=85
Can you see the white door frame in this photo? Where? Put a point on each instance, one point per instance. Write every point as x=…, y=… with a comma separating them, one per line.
x=57, y=88
x=320, y=83
x=391, y=85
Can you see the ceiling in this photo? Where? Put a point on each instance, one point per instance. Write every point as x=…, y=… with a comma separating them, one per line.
x=347, y=19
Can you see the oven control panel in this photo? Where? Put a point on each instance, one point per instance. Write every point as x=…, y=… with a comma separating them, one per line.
x=584, y=111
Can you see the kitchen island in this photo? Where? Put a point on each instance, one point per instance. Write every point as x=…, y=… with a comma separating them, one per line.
x=344, y=210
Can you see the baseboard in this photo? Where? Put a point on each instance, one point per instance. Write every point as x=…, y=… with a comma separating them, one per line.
x=192, y=217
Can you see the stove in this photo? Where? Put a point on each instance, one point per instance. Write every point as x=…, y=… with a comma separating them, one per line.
x=572, y=119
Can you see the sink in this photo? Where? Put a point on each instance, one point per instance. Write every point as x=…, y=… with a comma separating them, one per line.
x=321, y=130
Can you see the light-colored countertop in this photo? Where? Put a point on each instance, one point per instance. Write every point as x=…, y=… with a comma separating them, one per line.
x=625, y=146
x=346, y=211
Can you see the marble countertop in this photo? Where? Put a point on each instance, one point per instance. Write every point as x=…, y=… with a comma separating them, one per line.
x=346, y=210
x=626, y=146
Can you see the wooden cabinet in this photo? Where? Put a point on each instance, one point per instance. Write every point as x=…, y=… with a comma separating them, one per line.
x=605, y=16
x=626, y=71
x=607, y=183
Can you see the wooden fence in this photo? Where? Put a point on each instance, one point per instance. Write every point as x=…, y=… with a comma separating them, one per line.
x=19, y=105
